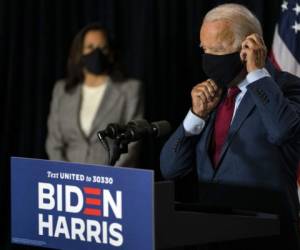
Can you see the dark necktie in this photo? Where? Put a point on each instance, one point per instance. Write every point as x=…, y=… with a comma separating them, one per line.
x=222, y=123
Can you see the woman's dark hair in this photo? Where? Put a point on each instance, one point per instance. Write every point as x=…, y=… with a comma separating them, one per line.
x=74, y=67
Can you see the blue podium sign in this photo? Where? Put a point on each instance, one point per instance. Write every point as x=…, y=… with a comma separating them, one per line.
x=64, y=205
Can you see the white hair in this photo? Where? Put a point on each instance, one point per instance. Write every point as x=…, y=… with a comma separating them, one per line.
x=242, y=20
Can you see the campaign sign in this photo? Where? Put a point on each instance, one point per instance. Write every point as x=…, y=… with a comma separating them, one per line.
x=64, y=205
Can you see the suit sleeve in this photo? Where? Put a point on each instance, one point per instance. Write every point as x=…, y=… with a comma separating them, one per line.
x=54, y=140
x=177, y=157
x=134, y=110
x=279, y=107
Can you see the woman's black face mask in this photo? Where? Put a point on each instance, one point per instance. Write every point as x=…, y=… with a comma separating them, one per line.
x=222, y=69
x=96, y=62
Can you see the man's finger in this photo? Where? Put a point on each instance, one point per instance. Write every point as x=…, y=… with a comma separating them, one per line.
x=202, y=97
x=250, y=43
x=205, y=91
x=257, y=38
x=212, y=84
x=210, y=91
x=253, y=37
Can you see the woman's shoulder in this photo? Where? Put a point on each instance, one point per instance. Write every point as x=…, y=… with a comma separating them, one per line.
x=59, y=86
x=129, y=86
x=132, y=82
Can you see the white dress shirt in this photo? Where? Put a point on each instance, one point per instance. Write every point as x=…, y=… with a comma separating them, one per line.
x=91, y=101
x=193, y=124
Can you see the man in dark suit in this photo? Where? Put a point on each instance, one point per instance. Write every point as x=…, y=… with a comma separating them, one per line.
x=243, y=129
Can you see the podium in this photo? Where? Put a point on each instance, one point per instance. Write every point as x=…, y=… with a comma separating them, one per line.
x=63, y=205
x=179, y=224
x=73, y=206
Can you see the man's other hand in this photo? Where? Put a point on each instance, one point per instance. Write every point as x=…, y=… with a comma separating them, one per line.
x=254, y=52
x=205, y=97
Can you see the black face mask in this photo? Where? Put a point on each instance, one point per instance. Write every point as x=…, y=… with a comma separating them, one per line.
x=222, y=68
x=96, y=62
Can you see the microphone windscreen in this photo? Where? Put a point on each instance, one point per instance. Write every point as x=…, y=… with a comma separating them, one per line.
x=161, y=128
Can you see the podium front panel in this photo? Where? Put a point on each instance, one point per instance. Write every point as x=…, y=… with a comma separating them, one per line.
x=64, y=205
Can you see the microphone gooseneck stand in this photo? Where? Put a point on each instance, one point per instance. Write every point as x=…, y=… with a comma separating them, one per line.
x=118, y=147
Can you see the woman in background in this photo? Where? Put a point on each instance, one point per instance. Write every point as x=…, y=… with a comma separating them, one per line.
x=94, y=94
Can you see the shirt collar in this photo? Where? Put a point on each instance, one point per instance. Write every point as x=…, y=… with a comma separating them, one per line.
x=243, y=85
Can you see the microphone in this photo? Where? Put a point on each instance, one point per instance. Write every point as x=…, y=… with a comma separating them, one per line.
x=122, y=135
x=135, y=130
x=112, y=130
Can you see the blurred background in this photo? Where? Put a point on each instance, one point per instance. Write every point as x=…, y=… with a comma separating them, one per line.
x=159, y=44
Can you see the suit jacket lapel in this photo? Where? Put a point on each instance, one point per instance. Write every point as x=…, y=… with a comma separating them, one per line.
x=244, y=109
x=74, y=103
x=110, y=97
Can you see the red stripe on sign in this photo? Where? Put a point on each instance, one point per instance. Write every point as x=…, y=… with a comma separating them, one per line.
x=92, y=211
x=88, y=190
x=91, y=201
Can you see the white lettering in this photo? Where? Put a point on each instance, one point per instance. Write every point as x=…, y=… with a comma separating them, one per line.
x=116, y=206
x=62, y=227
x=93, y=233
x=46, y=224
x=78, y=228
x=76, y=191
x=46, y=200
x=115, y=230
